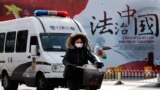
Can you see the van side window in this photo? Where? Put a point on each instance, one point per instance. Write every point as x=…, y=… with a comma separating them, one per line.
x=33, y=41
x=2, y=38
x=21, y=44
x=10, y=42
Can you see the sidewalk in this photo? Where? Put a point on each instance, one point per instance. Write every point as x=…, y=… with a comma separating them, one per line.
x=110, y=85
x=128, y=85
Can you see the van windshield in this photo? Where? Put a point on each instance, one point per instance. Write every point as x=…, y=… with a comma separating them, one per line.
x=54, y=41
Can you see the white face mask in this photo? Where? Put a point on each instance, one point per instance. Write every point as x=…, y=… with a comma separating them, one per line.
x=79, y=45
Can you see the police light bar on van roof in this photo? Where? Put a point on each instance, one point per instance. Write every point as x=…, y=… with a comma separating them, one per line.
x=50, y=13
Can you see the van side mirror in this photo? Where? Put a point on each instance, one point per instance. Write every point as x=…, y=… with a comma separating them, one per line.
x=33, y=50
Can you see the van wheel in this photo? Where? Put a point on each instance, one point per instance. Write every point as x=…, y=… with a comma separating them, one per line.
x=91, y=88
x=9, y=84
x=41, y=83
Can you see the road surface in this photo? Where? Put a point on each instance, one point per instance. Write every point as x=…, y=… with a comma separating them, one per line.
x=109, y=85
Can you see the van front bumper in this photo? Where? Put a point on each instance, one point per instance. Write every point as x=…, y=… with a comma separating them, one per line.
x=52, y=79
x=54, y=75
x=56, y=82
x=55, y=79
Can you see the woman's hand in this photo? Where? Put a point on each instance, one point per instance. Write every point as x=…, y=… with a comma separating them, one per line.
x=71, y=65
x=99, y=64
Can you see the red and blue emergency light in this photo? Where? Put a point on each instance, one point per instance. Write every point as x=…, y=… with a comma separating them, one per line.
x=50, y=13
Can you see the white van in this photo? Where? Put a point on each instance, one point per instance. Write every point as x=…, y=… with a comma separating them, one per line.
x=32, y=49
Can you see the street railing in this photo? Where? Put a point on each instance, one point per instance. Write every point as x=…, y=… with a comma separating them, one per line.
x=151, y=76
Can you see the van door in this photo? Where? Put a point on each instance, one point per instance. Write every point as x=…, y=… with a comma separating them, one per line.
x=2, y=61
x=20, y=63
x=9, y=50
x=33, y=41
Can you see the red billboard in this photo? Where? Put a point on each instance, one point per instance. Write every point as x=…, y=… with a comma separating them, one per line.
x=11, y=9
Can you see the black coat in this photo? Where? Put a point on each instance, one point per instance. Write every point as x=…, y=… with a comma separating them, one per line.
x=77, y=57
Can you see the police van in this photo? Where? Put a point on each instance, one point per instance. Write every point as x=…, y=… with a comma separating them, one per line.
x=32, y=49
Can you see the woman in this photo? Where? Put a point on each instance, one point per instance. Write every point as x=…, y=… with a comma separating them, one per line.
x=77, y=54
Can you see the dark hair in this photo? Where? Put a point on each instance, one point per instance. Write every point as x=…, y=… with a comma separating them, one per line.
x=78, y=37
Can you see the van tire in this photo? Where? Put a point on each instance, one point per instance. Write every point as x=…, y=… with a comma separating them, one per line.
x=91, y=88
x=41, y=83
x=8, y=84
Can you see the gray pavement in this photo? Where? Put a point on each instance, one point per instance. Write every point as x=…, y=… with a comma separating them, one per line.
x=110, y=85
